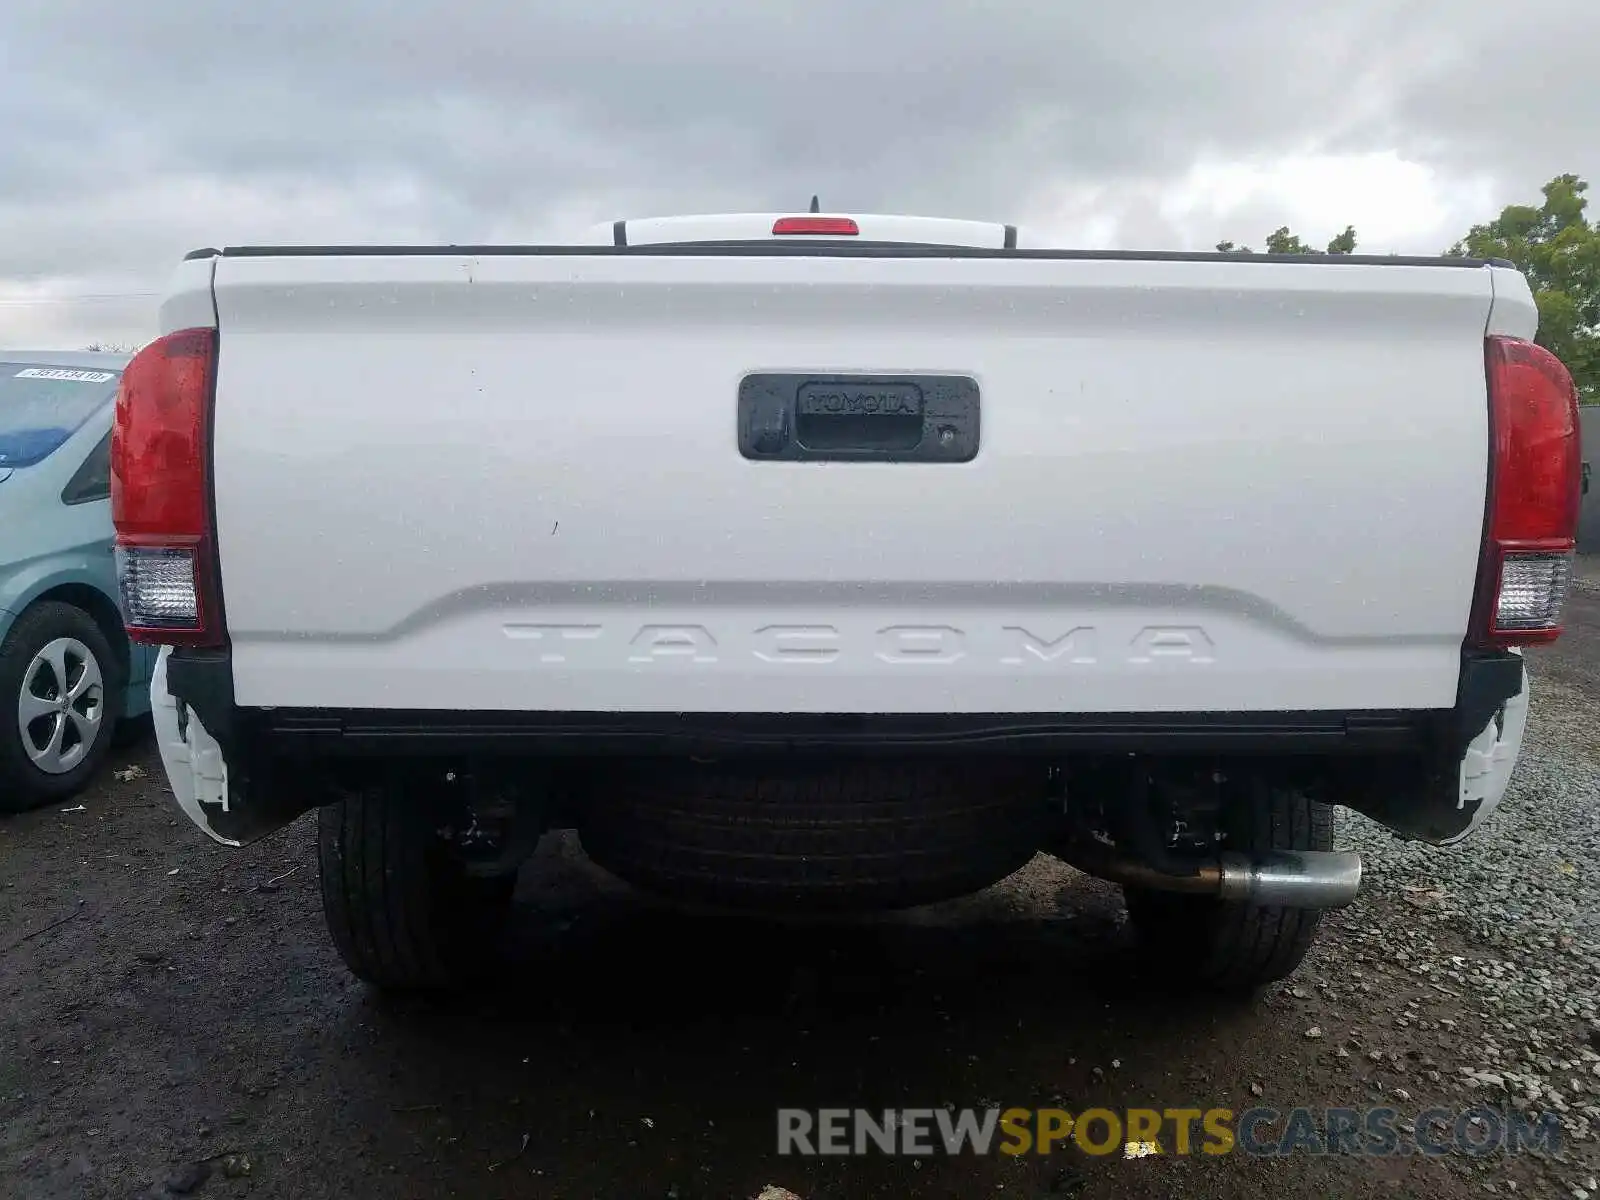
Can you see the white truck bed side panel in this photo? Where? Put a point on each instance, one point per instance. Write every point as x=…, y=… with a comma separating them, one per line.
x=189, y=302
x=1515, y=314
x=513, y=482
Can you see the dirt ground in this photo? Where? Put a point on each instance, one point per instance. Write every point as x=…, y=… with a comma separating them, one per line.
x=174, y=1021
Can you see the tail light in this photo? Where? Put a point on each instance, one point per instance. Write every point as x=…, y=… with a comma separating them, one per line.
x=1534, y=495
x=826, y=226
x=161, y=492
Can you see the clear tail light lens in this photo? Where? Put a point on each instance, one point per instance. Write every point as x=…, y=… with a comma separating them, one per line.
x=159, y=589
x=1533, y=588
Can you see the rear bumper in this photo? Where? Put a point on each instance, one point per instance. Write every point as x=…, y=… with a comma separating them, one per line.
x=357, y=732
x=1429, y=774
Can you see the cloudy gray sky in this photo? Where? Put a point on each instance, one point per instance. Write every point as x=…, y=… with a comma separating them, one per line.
x=134, y=132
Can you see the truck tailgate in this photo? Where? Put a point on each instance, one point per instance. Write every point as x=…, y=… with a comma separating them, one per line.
x=515, y=482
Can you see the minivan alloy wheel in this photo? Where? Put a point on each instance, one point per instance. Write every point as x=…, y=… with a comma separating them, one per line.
x=61, y=705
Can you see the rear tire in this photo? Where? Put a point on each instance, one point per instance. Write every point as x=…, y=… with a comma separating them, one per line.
x=817, y=836
x=48, y=754
x=403, y=911
x=1229, y=945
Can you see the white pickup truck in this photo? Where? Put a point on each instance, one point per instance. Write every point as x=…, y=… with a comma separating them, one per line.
x=815, y=561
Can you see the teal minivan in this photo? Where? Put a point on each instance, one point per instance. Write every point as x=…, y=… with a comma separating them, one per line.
x=68, y=673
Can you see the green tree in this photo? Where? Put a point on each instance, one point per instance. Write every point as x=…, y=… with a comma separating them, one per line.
x=1558, y=250
x=1345, y=243
x=1281, y=241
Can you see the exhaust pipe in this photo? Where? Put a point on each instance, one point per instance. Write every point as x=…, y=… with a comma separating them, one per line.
x=1288, y=878
x=1292, y=878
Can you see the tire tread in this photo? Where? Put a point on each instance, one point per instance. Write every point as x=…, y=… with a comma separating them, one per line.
x=402, y=913
x=863, y=834
x=1237, y=946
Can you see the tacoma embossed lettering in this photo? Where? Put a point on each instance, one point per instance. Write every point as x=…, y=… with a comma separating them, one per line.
x=1041, y=647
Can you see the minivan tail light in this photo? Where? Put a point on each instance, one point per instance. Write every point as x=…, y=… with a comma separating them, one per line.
x=161, y=492
x=1535, y=466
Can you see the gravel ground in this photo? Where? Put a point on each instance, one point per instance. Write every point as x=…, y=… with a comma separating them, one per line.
x=1497, y=941
x=172, y=1018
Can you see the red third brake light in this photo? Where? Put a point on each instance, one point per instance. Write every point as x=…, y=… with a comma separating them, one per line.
x=1534, y=494
x=827, y=226
x=160, y=491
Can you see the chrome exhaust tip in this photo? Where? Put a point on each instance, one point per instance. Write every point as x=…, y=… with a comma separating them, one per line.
x=1286, y=878
x=1291, y=878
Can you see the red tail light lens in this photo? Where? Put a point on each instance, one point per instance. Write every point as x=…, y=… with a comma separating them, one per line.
x=1534, y=494
x=160, y=491
x=826, y=226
